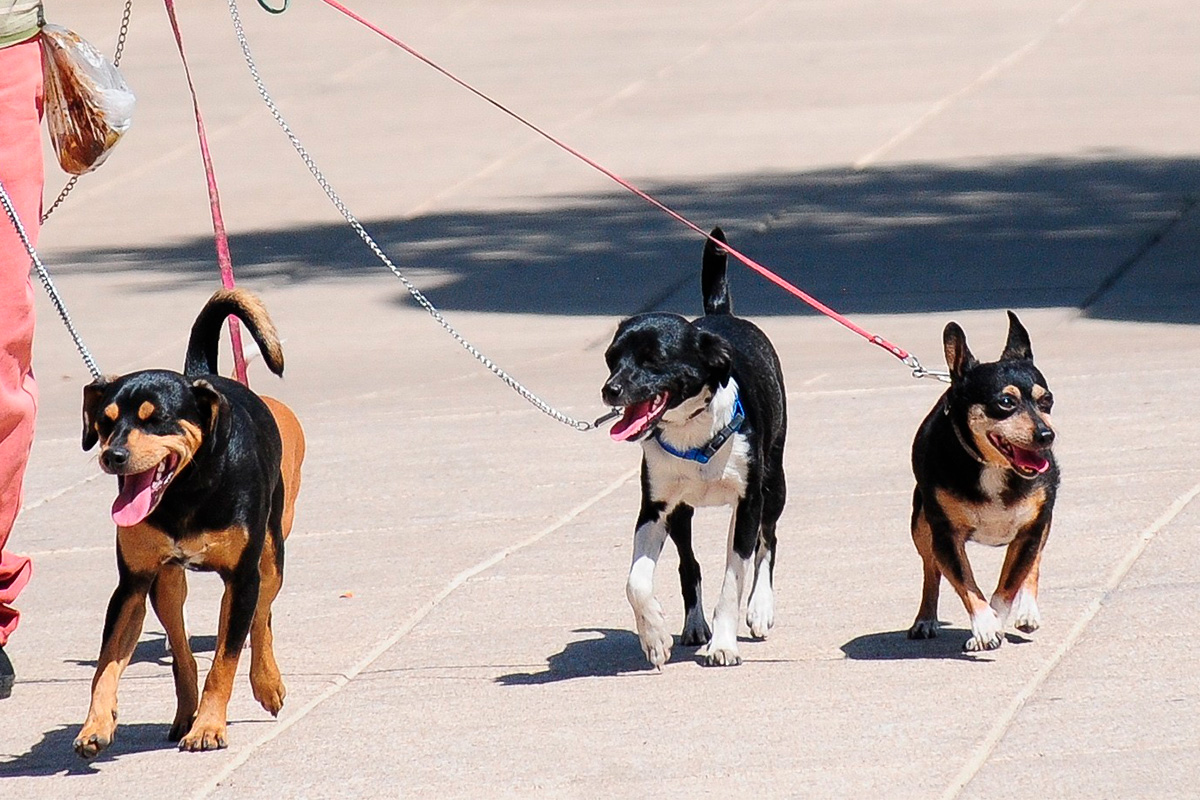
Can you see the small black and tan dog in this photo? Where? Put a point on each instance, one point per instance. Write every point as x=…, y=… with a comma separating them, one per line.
x=207, y=476
x=706, y=400
x=985, y=473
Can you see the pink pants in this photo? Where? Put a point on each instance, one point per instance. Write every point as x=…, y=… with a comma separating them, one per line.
x=21, y=173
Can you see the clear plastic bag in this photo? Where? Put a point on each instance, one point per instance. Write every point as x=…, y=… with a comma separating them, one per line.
x=88, y=104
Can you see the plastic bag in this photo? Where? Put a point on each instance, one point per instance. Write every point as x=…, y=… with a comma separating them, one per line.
x=88, y=104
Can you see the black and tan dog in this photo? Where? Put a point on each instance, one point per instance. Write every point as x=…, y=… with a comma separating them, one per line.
x=985, y=473
x=706, y=400
x=207, y=475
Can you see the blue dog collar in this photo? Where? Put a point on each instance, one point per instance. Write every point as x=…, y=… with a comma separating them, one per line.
x=704, y=454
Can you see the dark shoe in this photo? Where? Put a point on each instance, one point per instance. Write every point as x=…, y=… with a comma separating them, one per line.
x=7, y=675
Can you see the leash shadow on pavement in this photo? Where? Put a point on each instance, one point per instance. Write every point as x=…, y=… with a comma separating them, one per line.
x=896, y=646
x=612, y=654
x=55, y=754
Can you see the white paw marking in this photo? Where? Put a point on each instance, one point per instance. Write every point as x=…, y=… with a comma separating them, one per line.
x=987, y=631
x=652, y=631
x=1027, y=618
x=720, y=656
x=760, y=616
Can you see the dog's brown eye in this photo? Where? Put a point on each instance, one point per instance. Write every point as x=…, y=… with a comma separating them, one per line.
x=1045, y=403
x=1006, y=402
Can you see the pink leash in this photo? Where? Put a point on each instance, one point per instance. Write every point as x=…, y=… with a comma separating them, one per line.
x=214, y=202
x=895, y=350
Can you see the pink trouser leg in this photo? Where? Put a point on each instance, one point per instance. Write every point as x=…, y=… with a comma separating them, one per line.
x=21, y=173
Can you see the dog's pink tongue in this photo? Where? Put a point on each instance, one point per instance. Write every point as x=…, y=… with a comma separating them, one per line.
x=1030, y=459
x=133, y=501
x=637, y=416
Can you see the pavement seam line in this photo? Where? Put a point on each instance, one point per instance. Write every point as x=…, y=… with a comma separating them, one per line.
x=1000, y=728
x=414, y=619
x=984, y=77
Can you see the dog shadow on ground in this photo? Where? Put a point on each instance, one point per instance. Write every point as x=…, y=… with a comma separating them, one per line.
x=55, y=754
x=613, y=653
x=154, y=650
x=896, y=646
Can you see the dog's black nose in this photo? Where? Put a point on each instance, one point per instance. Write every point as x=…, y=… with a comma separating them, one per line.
x=114, y=457
x=1043, y=437
x=611, y=393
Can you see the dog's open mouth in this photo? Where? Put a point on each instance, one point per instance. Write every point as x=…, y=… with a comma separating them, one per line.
x=1025, y=462
x=639, y=418
x=139, y=493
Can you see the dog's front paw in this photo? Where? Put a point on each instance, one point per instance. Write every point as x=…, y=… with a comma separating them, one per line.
x=656, y=644
x=1026, y=617
x=269, y=690
x=924, y=629
x=96, y=734
x=720, y=656
x=987, y=631
x=204, y=736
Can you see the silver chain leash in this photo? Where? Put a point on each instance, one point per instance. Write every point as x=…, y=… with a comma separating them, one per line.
x=120, y=51
x=416, y=293
x=42, y=274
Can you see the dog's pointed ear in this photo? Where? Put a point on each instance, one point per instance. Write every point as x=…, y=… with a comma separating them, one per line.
x=91, y=407
x=958, y=355
x=213, y=405
x=1017, y=347
x=716, y=356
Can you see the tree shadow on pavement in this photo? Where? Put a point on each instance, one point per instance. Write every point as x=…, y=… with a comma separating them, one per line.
x=896, y=646
x=1095, y=233
x=613, y=653
x=55, y=754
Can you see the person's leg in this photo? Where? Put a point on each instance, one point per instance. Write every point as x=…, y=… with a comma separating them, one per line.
x=21, y=173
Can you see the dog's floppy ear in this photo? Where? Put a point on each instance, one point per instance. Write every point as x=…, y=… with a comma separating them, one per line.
x=212, y=403
x=716, y=356
x=958, y=355
x=91, y=406
x=1017, y=347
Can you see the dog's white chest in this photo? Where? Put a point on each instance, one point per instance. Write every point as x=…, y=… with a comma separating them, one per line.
x=722, y=481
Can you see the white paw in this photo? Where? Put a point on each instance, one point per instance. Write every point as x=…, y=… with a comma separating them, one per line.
x=1002, y=608
x=720, y=656
x=1027, y=618
x=987, y=631
x=695, y=629
x=923, y=629
x=652, y=631
x=760, y=616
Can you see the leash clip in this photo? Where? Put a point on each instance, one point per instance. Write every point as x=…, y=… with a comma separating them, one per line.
x=919, y=371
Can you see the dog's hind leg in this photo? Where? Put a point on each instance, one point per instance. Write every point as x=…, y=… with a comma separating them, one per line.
x=695, y=628
x=167, y=597
x=925, y=626
x=265, y=679
x=760, y=611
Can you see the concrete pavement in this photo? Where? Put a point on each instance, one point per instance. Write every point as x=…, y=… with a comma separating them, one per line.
x=453, y=620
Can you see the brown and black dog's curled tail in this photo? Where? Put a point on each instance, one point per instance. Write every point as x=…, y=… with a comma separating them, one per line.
x=201, y=356
x=712, y=276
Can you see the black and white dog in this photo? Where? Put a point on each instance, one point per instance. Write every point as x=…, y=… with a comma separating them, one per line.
x=706, y=400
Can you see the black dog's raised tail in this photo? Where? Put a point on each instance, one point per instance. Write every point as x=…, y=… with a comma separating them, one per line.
x=712, y=277
x=206, y=332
